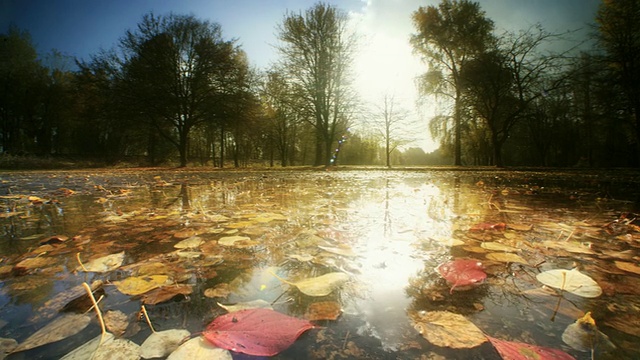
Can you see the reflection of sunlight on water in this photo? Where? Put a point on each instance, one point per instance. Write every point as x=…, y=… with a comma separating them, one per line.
x=391, y=224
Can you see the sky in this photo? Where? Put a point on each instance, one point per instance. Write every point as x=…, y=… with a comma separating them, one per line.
x=384, y=63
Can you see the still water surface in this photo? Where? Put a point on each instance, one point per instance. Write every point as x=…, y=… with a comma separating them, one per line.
x=388, y=230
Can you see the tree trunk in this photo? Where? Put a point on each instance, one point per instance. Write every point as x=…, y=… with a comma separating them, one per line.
x=458, y=131
x=183, y=147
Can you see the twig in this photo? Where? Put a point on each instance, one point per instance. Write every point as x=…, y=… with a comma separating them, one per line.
x=344, y=343
x=97, y=308
x=146, y=316
x=80, y=262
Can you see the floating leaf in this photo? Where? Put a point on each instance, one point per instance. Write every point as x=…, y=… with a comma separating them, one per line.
x=446, y=329
x=627, y=266
x=165, y=293
x=105, y=348
x=507, y=257
x=260, y=332
x=583, y=335
x=190, y=243
x=103, y=264
x=487, y=226
x=253, y=304
x=138, y=285
x=162, y=343
x=199, y=348
x=116, y=322
x=462, y=272
x=221, y=290
x=323, y=310
x=319, y=286
x=570, y=246
x=60, y=328
x=495, y=246
x=236, y=240
x=572, y=281
x=520, y=351
x=337, y=250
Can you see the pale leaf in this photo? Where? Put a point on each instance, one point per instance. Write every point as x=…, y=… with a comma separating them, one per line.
x=138, y=285
x=254, y=304
x=572, y=281
x=162, y=343
x=446, y=329
x=61, y=328
x=103, y=264
x=198, y=348
x=506, y=257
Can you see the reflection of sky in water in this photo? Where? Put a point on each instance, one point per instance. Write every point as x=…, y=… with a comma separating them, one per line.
x=389, y=224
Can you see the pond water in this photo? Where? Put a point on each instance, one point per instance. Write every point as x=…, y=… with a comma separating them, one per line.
x=249, y=235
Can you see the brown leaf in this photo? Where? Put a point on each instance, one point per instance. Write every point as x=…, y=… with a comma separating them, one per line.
x=323, y=310
x=220, y=290
x=446, y=329
x=116, y=322
x=627, y=266
x=58, y=302
x=165, y=293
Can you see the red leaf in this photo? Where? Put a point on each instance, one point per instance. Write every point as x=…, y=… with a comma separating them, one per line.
x=261, y=332
x=462, y=272
x=487, y=226
x=521, y=351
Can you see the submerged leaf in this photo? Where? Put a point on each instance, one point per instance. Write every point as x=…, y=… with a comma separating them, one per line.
x=162, y=343
x=260, y=332
x=165, y=293
x=521, y=351
x=583, y=335
x=446, y=329
x=572, y=281
x=103, y=264
x=323, y=310
x=138, y=285
x=462, y=272
x=105, y=348
x=60, y=328
x=253, y=304
x=627, y=266
x=507, y=257
x=199, y=348
x=496, y=246
x=319, y=286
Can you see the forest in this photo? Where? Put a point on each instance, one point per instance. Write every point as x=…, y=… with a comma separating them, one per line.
x=174, y=91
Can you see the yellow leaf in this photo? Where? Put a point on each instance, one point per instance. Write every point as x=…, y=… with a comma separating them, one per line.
x=138, y=285
x=627, y=266
x=446, y=329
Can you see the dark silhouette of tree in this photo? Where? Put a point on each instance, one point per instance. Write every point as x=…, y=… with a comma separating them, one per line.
x=619, y=34
x=316, y=50
x=174, y=74
x=448, y=36
x=390, y=122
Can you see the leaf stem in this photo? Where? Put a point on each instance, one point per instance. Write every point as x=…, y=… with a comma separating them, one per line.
x=146, y=316
x=97, y=308
x=80, y=262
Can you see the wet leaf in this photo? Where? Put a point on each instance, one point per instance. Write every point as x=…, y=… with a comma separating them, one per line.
x=462, y=272
x=488, y=226
x=199, y=348
x=507, y=258
x=495, y=246
x=58, y=302
x=319, y=286
x=162, y=343
x=104, y=264
x=7, y=346
x=583, y=335
x=107, y=348
x=220, y=290
x=253, y=304
x=301, y=257
x=510, y=350
x=324, y=310
x=190, y=243
x=116, y=322
x=260, y=332
x=627, y=266
x=572, y=281
x=165, y=293
x=337, y=250
x=446, y=329
x=236, y=240
x=138, y=285
x=61, y=328
x=570, y=246
x=34, y=263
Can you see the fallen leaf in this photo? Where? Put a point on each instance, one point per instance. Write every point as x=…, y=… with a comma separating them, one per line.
x=583, y=335
x=221, y=290
x=199, y=348
x=34, y=263
x=337, y=250
x=190, y=243
x=236, y=240
x=323, y=310
x=165, y=293
x=507, y=258
x=7, y=346
x=446, y=329
x=520, y=351
x=58, y=302
x=627, y=266
x=462, y=272
x=301, y=257
x=260, y=332
x=253, y=304
x=570, y=246
x=105, y=348
x=487, y=226
x=103, y=264
x=495, y=246
x=572, y=281
x=138, y=285
x=319, y=286
x=116, y=322
x=60, y=328
x=162, y=343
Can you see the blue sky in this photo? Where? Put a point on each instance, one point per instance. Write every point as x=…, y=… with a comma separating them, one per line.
x=384, y=62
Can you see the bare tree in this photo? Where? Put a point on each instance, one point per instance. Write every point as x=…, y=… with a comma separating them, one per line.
x=316, y=50
x=391, y=124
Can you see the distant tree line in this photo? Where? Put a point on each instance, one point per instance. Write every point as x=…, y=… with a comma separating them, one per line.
x=175, y=91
